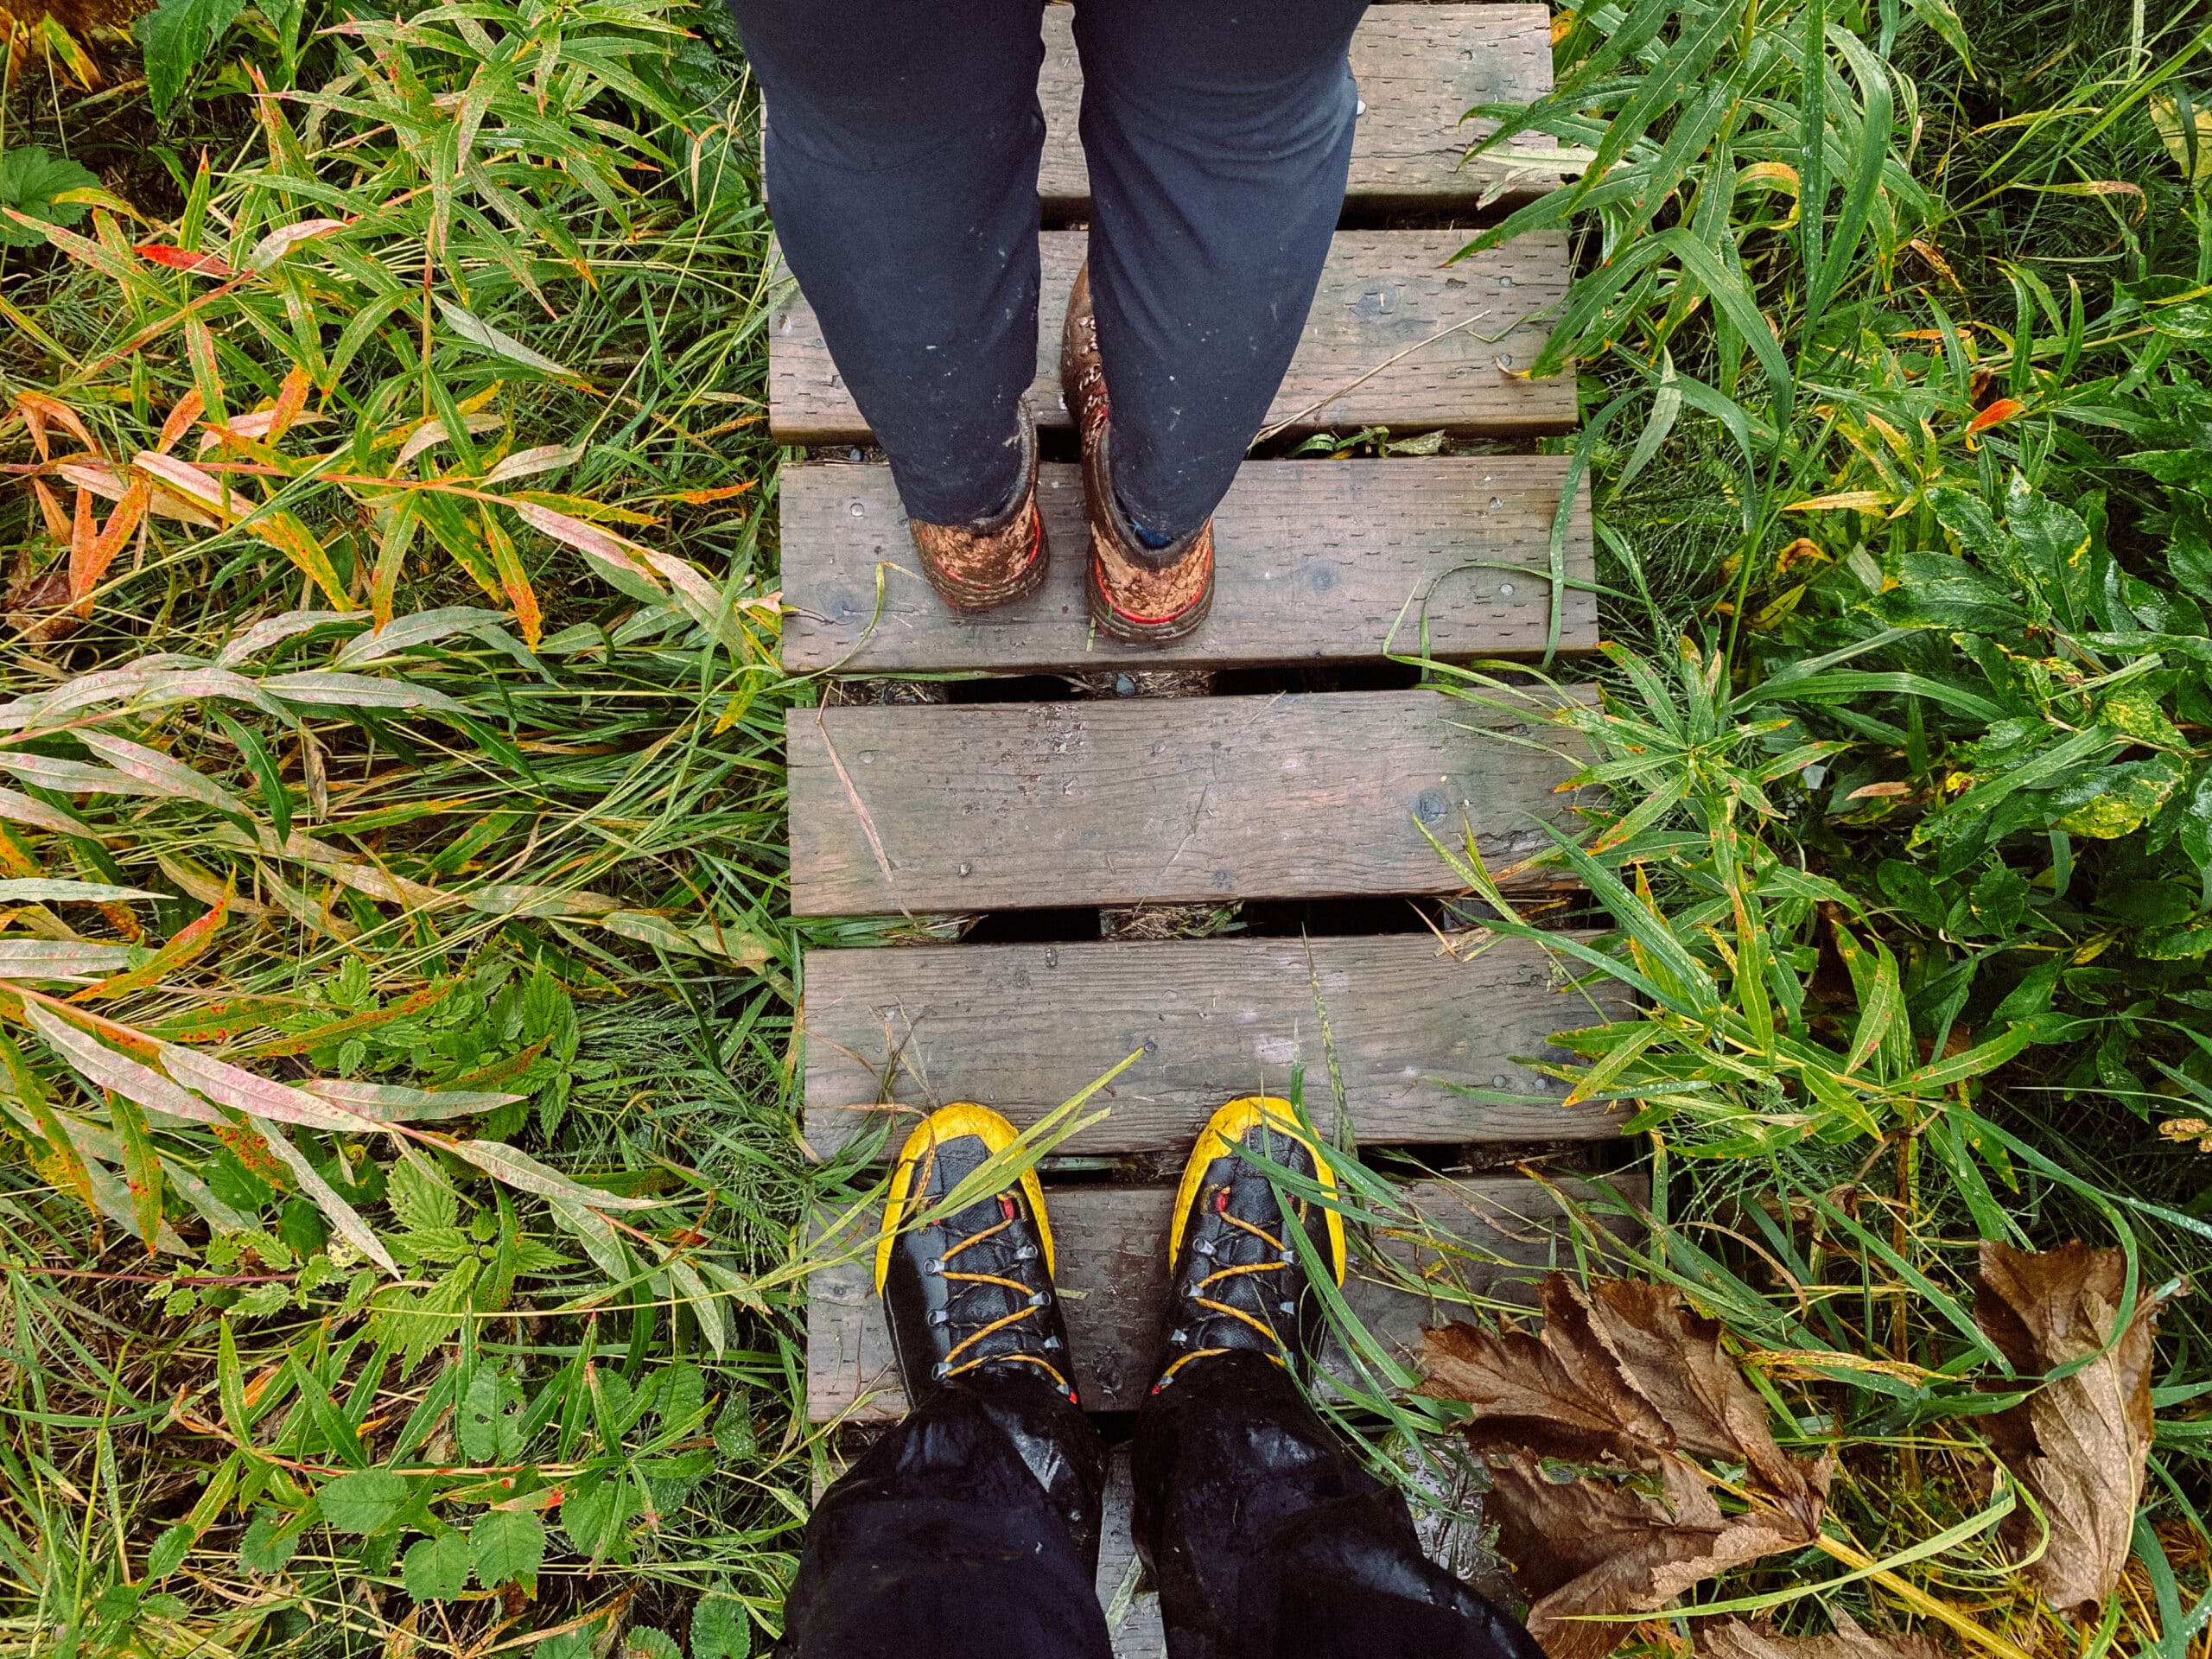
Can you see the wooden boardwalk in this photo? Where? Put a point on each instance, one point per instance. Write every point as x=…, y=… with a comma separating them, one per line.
x=989, y=806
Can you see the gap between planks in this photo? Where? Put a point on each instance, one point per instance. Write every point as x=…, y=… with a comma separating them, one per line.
x=1397, y=337
x=1111, y=1267
x=1316, y=562
x=1427, y=1046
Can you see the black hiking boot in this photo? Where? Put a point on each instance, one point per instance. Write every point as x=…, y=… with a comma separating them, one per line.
x=1235, y=1282
x=970, y=1294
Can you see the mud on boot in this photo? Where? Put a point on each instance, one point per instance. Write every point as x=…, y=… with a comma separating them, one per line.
x=994, y=560
x=1137, y=594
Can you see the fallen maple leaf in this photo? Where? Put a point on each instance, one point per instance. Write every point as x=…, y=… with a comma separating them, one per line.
x=1628, y=1382
x=2079, y=1443
x=1603, y=1546
x=1734, y=1639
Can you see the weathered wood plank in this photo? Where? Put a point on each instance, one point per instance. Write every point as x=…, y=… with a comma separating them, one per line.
x=1010, y=806
x=1024, y=1026
x=1137, y=1633
x=1395, y=338
x=1319, y=560
x=1419, y=70
x=1112, y=1265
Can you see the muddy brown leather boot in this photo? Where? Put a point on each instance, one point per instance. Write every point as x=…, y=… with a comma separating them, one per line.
x=994, y=560
x=1140, y=595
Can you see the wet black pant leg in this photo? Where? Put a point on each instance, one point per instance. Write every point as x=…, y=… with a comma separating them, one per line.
x=971, y=1528
x=901, y=156
x=1219, y=134
x=1268, y=1540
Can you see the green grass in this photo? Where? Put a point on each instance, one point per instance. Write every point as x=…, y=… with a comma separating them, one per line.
x=582, y=759
x=1894, y=379
x=534, y=859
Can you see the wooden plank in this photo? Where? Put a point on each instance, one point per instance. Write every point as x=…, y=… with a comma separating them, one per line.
x=1024, y=1026
x=1137, y=1632
x=1419, y=70
x=1010, y=806
x=1395, y=338
x=1110, y=1242
x=1320, y=561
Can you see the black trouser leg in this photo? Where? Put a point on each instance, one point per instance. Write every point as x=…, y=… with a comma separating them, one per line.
x=1267, y=1540
x=1219, y=134
x=902, y=150
x=901, y=162
x=970, y=1528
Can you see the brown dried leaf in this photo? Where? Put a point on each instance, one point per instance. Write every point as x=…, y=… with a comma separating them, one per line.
x=1602, y=1547
x=1627, y=1376
x=2080, y=1444
x=1674, y=1358
x=1556, y=1398
x=1624, y=1372
x=37, y=605
x=1734, y=1639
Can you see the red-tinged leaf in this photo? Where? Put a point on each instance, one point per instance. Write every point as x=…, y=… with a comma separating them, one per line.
x=278, y=242
x=63, y=1164
x=85, y=575
x=181, y=481
x=159, y=773
x=21, y=809
x=1996, y=415
x=512, y=577
x=589, y=539
x=284, y=532
x=528, y=463
x=258, y=1097
x=102, y=1068
x=705, y=498
x=180, y=421
x=396, y=523
x=176, y=258
x=38, y=411
x=79, y=247
x=49, y=507
x=102, y=477
x=191, y=940
x=83, y=530
x=339, y=1030
x=430, y=434
x=291, y=399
